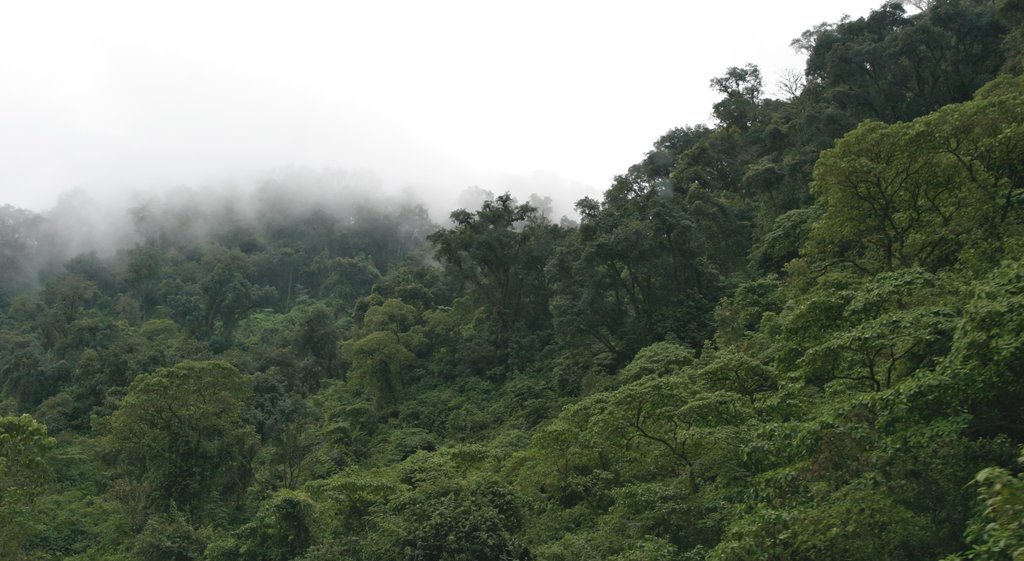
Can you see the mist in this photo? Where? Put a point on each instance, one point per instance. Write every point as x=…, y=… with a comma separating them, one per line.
x=113, y=98
x=123, y=122
x=241, y=211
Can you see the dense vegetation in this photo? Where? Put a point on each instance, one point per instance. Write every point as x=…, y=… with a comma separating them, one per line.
x=794, y=335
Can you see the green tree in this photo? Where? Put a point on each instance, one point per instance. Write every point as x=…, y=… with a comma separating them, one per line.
x=742, y=88
x=319, y=337
x=179, y=433
x=280, y=531
x=922, y=193
x=635, y=273
x=499, y=253
x=997, y=533
x=893, y=67
x=227, y=293
x=380, y=362
x=985, y=368
x=143, y=272
x=66, y=298
x=24, y=470
x=891, y=199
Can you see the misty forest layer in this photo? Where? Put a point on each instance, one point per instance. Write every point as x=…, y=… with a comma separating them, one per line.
x=794, y=335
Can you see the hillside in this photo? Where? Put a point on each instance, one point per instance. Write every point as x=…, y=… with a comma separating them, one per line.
x=792, y=335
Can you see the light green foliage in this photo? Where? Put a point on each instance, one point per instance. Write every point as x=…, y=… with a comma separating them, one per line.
x=869, y=333
x=472, y=520
x=861, y=522
x=79, y=525
x=380, y=362
x=280, y=531
x=733, y=371
x=350, y=499
x=659, y=359
x=997, y=533
x=24, y=446
x=169, y=537
x=640, y=463
x=392, y=315
x=672, y=427
x=892, y=199
x=909, y=194
x=434, y=506
x=179, y=433
x=857, y=523
x=24, y=470
x=380, y=355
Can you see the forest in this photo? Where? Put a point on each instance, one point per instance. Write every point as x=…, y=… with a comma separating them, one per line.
x=794, y=335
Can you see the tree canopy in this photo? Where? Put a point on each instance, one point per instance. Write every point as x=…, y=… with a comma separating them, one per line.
x=792, y=334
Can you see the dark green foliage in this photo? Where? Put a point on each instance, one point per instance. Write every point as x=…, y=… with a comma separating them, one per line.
x=637, y=271
x=499, y=254
x=895, y=67
x=987, y=357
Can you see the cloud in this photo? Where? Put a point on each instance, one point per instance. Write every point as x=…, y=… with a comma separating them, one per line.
x=431, y=96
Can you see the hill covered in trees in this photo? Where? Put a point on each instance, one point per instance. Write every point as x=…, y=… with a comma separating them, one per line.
x=793, y=335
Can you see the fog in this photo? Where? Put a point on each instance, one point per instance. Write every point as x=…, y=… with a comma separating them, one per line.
x=292, y=201
x=123, y=100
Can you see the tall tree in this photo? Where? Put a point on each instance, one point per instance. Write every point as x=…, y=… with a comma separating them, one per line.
x=180, y=435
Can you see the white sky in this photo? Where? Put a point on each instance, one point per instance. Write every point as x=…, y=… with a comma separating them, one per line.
x=550, y=96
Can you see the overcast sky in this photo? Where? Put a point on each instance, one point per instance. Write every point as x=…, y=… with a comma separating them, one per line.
x=550, y=96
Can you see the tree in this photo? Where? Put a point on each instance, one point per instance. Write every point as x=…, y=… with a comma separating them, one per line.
x=635, y=273
x=319, y=337
x=912, y=194
x=143, y=271
x=891, y=201
x=895, y=67
x=280, y=531
x=179, y=433
x=997, y=533
x=986, y=362
x=19, y=231
x=24, y=470
x=734, y=371
x=475, y=520
x=742, y=88
x=66, y=298
x=499, y=253
x=227, y=295
x=380, y=362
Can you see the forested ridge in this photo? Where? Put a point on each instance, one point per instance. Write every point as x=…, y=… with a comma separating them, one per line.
x=797, y=334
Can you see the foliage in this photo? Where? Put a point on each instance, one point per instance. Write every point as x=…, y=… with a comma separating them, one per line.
x=179, y=433
x=24, y=470
x=998, y=531
x=793, y=334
